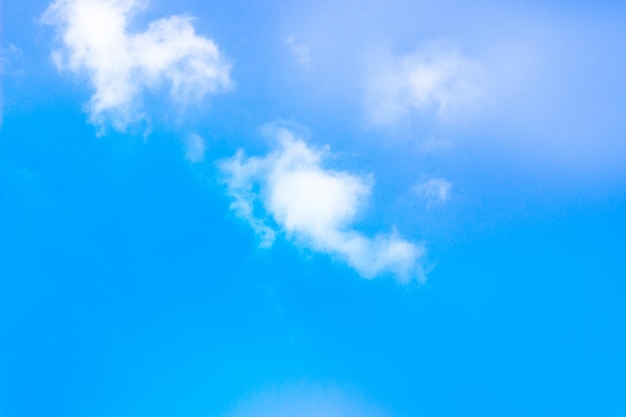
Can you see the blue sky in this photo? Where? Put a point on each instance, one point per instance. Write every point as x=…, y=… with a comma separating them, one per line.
x=336, y=209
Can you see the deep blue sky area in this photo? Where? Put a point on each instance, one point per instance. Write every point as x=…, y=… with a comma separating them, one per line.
x=426, y=216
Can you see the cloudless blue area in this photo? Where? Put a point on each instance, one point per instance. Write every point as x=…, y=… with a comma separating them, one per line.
x=128, y=287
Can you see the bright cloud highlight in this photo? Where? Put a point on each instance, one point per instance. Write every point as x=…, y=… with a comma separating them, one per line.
x=314, y=206
x=434, y=79
x=119, y=64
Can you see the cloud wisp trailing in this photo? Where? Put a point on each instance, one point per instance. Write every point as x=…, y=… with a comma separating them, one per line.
x=10, y=56
x=434, y=191
x=315, y=207
x=436, y=79
x=195, y=147
x=120, y=65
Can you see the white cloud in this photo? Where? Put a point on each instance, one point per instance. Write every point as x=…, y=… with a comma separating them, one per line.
x=300, y=51
x=315, y=207
x=195, y=147
x=435, y=191
x=434, y=79
x=95, y=41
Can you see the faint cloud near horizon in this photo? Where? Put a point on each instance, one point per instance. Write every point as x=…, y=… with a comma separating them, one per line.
x=306, y=400
x=95, y=40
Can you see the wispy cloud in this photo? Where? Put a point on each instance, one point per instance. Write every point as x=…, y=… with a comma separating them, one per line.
x=435, y=79
x=300, y=51
x=195, y=147
x=314, y=206
x=10, y=66
x=10, y=56
x=434, y=191
x=436, y=146
x=96, y=42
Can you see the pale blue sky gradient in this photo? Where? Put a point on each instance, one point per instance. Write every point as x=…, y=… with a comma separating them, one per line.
x=131, y=286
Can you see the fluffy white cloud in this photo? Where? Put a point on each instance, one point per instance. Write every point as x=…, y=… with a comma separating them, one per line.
x=96, y=41
x=434, y=191
x=434, y=79
x=314, y=206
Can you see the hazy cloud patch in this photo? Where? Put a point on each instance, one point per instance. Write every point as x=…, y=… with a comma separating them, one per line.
x=436, y=79
x=306, y=400
x=434, y=191
x=195, y=147
x=300, y=51
x=10, y=57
